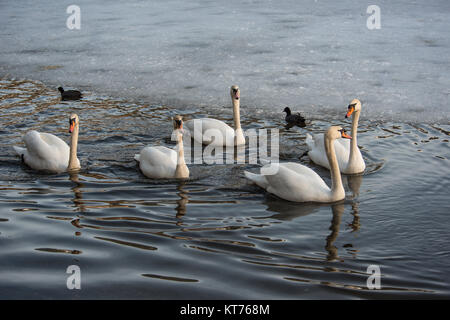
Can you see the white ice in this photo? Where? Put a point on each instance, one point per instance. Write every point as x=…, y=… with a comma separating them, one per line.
x=314, y=56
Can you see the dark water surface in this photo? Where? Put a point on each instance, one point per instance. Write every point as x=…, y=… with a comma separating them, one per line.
x=215, y=235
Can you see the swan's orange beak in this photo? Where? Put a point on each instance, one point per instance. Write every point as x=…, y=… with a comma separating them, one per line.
x=351, y=109
x=345, y=135
x=72, y=125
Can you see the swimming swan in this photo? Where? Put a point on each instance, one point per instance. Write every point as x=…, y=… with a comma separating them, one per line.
x=45, y=151
x=347, y=152
x=216, y=132
x=298, y=183
x=164, y=163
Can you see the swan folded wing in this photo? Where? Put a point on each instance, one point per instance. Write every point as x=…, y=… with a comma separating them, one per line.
x=342, y=150
x=192, y=128
x=295, y=182
x=317, y=150
x=307, y=174
x=46, y=145
x=44, y=151
x=218, y=132
x=310, y=141
x=211, y=131
x=258, y=179
x=318, y=154
x=158, y=162
x=343, y=147
x=19, y=150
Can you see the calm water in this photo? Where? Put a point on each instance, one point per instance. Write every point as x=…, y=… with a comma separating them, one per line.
x=215, y=235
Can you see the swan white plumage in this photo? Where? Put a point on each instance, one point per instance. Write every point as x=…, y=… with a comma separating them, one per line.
x=47, y=152
x=163, y=163
x=347, y=152
x=214, y=132
x=295, y=182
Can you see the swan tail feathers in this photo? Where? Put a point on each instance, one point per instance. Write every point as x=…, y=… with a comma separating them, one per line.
x=19, y=150
x=258, y=179
x=309, y=141
x=137, y=157
x=264, y=161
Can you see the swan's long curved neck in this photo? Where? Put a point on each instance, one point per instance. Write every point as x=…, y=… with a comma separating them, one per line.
x=73, y=160
x=354, y=141
x=239, y=138
x=181, y=170
x=337, y=189
x=236, y=114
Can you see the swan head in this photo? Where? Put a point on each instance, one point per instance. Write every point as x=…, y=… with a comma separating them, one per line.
x=336, y=132
x=235, y=92
x=178, y=124
x=287, y=110
x=73, y=122
x=354, y=106
x=60, y=89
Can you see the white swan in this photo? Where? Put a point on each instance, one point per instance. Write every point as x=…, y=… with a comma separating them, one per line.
x=347, y=152
x=164, y=163
x=298, y=183
x=216, y=132
x=47, y=152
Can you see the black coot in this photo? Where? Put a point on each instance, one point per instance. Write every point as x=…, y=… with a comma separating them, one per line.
x=293, y=119
x=69, y=94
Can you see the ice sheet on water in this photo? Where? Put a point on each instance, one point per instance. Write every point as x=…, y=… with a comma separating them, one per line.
x=314, y=56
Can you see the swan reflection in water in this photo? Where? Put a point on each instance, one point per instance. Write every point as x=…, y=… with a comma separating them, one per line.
x=76, y=189
x=287, y=211
x=354, y=184
x=78, y=198
x=184, y=199
x=338, y=210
